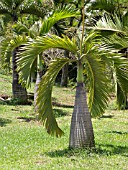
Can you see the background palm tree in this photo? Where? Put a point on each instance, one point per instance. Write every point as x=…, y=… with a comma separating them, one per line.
x=39, y=28
x=14, y=9
x=114, y=24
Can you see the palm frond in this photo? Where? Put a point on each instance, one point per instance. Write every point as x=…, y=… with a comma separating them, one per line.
x=116, y=42
x=121, y=69
x=8, y=45
x=111, y=25
x=58, y=15
x=98, y=84
x=32, y=7
x=20, y=28
x=107, y=5
x=32, y=49
x=4, y=9
x=44, y=101
x=4, y=54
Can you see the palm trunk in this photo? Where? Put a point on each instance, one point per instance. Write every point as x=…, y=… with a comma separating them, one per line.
x=38, y=79
x=18, y=91
x=64, y=78
x=81, y=131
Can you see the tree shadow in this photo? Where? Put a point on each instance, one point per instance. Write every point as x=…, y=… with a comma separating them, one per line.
x=15, y=102
x=55, y=103
x=113, y=149
x=61, y=105
x=27, y=119
x=106, y=116
x=4, y=121
x=103, y=149
x=118, y=132
x=59, y=113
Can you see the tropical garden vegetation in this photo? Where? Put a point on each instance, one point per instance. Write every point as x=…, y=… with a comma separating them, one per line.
x=95, y=43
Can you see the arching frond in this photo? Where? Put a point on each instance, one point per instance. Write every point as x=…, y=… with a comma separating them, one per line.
x=107, y=5
x=121, y=69
x=59, y=14
x=44, y=100
x=4, y=54
x=20, y=28
x=32, y=7
x=107, y=24
x=98, y=84
x=116, y=42
x=33, y=48
x=8, y=45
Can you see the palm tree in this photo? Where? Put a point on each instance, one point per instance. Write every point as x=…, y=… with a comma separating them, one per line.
x=114, y=25
x=14, y=9
x=90, y=58
x=39, y=28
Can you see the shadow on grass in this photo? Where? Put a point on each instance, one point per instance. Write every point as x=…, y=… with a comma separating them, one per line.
x=55, y=103
x=118, y=132
x=105, y=150
x=59, y=113
x=14, y=102
x=4, y=121
x=106, y=116
x=27, y=119
x=61, y=105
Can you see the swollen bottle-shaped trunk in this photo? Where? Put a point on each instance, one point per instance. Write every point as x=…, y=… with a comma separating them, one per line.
x=81, y=131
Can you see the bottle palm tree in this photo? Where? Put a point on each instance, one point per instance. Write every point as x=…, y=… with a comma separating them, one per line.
x=14, y=9
x=90, y=58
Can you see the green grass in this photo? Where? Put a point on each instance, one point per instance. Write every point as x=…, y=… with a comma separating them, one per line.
x=25, y=145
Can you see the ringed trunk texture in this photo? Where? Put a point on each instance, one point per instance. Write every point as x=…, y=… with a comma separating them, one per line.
x=81, y=131
x=18, y=91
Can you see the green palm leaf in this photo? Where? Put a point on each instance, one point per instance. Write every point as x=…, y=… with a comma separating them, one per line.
x=122, y=81
x=8, y=45
x=44, y=100
x=59, y=14
x=98, y=84
x=116, y=42
x=110, y=24
x=107, y=5
x=33, y=48
x=32, y=7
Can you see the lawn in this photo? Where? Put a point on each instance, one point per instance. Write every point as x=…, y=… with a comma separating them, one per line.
x=25, y=145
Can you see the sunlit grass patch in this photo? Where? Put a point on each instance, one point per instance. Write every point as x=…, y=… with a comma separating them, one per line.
x=25, y=144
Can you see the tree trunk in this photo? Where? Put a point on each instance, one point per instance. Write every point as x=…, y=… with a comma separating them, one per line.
x=18, y=91
x=64, y=78
x=81, y=131
x=38, y=80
